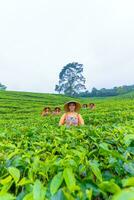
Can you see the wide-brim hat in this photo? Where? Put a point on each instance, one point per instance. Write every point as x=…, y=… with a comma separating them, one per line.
x=57, y=108
x=47, y=108
x=66, y=106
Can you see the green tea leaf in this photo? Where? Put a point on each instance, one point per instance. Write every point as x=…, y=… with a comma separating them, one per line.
x=127, y=194
x=6, y=196
x=67, y=195
x=96, y=171
x=29, y=196
x=56, y=183
x=7, y=186
x=89, y=194
x=24, y=181
x=13, y=154
x=38, y=191
x=128, y=182
x=6, y=180
x=129, y=167
x=128, y=138
x=104, y=146
x=109, y=186
x=58, y=196
x=15, y=173
x=69, y=178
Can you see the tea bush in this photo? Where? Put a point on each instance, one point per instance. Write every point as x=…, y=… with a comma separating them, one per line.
x=40, y=160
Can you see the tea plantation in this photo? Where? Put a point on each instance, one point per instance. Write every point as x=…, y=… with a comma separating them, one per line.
x=41, y=161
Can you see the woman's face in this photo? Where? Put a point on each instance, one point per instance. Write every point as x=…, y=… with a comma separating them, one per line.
x=47, y=110
x=72, y=107
x=57, y=110
x=92, y=105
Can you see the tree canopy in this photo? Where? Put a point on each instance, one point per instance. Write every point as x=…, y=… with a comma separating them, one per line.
x=71, y=79
x=2, y=87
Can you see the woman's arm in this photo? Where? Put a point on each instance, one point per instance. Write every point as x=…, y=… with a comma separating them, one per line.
x=62, y=120
x=43, y=113
x=81, y=120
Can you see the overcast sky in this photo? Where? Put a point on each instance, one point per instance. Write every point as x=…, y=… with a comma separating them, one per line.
x=39, y=37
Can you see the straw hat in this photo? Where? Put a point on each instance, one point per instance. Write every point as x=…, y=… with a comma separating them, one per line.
x=66, y=105
x=47, y=108
x=57, y=108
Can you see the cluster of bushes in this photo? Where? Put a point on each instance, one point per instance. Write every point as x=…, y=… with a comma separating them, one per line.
x=108, y=92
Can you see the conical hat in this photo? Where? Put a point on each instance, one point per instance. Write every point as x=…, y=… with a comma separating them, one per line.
x=78, y=105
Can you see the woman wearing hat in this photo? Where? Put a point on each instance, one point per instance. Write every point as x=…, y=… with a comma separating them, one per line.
x=46, y=111
x=84, y=106
x=92, y=106
x=57, y=111
x=71, y=117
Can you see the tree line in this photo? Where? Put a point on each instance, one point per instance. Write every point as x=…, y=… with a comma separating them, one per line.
x=72, y=83
x=107, y=92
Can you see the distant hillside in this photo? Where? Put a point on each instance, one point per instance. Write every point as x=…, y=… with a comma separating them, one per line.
x=129, y=95
x=27, y=97
x=24, y=104
x=103, y=92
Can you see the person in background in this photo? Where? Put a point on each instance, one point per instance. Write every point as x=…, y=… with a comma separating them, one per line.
x=57, y=111
x=84, y=106
x=92, y=106
x=71, y=117
x=46, y=111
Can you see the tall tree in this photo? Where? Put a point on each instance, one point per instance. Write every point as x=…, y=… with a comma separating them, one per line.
x=2, y=87
x=71, y=79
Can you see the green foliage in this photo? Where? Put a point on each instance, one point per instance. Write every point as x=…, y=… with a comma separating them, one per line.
x=71, y=79
x=2, y=87
x=38, y=191
x=69, y=178
x=6, y=196
x=15, y=173
x=56, y=183
x=39, y=160
x=116, y=91
x=127, y=194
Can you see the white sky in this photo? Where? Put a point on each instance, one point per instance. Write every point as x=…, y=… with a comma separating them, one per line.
x=39, y=37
